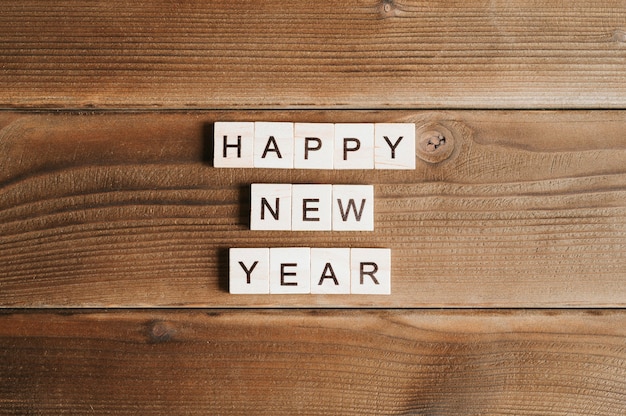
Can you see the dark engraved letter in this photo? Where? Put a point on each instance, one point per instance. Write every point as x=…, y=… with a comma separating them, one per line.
x=274, y=212
x=346, y=149
x=370, y=273
x=328, y=273
x=306, y=209
x=351, y=205
x=248, y=272
x=238, y=146
x=283, y=274
x=307, y=147
x=271, y=141
x=393, y=146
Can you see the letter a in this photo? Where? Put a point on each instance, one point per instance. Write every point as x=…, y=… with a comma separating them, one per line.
x=328, y=273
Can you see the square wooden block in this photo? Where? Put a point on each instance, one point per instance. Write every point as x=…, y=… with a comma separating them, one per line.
x=314, y=145
x=370, y=271
x=270, y=206
x=394, y=146
x=354, y=146
x=273, y=145
x=233, y=144
x=311, y=207
x=353, y=208
x=290, y=270
x=330, y=270
x=249, y=270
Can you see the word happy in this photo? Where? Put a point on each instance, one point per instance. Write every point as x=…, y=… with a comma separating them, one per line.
x=284, y=145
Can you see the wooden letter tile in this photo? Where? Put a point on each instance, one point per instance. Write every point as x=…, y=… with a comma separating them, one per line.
x=394, y=146
x=273, y=145
x=314, y=145
x=353, y=208
x=311, y=207
x=270, y=206
x=290, y=270
x=330, y=270
x=233, y=144
x=249, y=270
x=354, y=146
x=370, y=271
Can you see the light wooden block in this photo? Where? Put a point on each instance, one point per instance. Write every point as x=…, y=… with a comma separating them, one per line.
x=353, y=208
x=370, y=271
x=330, y=271
x=311, y=207
x=273, y=145
x=270, y=206
x=354, y=146
x=290, y=269
x=314, y=145
x=394, y=146
x=249, y=270
x=233, y=144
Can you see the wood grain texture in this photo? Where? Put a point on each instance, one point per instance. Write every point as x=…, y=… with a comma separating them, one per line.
x=125, y=210
x=278, y=54
x=313, y=363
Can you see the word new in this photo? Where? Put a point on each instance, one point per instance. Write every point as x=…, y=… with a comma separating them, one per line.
x=311, y=207
x=314, y=145
x=302, y=270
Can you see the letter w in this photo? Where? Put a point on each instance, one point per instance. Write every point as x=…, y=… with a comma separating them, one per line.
x=351, y=206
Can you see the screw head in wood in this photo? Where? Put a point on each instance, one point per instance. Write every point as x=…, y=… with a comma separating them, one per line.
x=434, y=144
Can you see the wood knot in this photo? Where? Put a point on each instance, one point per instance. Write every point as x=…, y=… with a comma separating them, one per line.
x=619, y=36
x=160, y=331
x=435, y=143
x=388, y=8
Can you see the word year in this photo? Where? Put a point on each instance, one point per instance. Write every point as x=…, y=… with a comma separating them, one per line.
x=303, y=270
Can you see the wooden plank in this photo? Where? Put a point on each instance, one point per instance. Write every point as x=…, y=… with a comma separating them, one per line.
x=125, y=210
x=278, y=53
x=297, y=363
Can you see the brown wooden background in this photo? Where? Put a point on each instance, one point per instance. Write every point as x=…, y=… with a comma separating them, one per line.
x=508, y=258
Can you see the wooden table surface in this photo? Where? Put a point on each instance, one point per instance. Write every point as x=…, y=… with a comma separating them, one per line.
x=509, y=256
